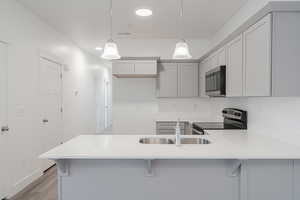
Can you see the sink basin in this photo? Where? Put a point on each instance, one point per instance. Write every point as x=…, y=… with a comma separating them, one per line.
x=194, y=141
x=155, y=140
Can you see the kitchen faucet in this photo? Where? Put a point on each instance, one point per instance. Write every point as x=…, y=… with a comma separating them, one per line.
x=177, y=133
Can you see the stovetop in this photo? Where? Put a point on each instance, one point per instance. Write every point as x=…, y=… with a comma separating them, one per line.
x=214, y=126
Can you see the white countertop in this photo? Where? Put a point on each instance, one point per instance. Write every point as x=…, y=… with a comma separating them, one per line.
x=225, y=145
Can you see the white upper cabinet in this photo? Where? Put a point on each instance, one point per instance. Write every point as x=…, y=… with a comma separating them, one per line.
x=134, y=68
x=234, y=68
x=168, y=80
x=257, y=62
x=188, y=79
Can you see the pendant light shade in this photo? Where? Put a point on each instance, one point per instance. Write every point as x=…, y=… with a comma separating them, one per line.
x=110, y=51
x=182, y=48
x=182, y=51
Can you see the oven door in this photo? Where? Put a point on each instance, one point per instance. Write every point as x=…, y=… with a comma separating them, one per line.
x=215, y=82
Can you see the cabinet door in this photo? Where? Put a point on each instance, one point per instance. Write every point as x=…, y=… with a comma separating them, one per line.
x=202, y=71
x=214, y=61
x=285, y=54
x=222, y=56
x=145, y=67
x=123, y=68
x=296, y=178
x=268, y=180
x=188, y=79
x=234, y=68
x=257, y=58
x=168, y=80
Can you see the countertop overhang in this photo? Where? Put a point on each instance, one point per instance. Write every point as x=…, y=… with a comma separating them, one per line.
x=234, y=144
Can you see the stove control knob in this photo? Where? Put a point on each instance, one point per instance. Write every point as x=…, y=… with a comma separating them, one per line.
x=237, y=114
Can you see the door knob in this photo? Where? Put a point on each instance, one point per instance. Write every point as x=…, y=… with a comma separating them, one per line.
x=4, y=129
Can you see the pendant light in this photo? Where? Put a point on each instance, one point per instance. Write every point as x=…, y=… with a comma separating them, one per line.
x=182, y=48
x=110, y=51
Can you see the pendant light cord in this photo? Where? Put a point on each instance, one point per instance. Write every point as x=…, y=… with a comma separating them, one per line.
x=181, y=20
x=111, y=16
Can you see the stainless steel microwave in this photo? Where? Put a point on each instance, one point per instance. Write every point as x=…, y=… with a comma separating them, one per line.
x=215, y=82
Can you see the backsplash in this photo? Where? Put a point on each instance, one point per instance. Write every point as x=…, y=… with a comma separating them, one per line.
x=136, y=108
x=278, y=117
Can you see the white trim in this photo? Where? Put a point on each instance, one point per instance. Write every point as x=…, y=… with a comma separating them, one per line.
x=51, y=57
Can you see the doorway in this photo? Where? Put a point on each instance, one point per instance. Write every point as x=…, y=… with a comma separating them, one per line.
x=50, y=102
x=5, y=137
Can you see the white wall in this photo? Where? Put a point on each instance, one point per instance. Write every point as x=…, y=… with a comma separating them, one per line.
x=26, y=35
x=136, y=107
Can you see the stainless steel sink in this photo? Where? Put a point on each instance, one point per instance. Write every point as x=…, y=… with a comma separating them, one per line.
x=194, y=141
x=154, y=140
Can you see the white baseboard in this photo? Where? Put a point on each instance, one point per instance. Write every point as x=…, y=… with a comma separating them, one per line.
x=25, y=181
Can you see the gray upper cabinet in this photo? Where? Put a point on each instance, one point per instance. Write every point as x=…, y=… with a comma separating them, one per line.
x=203, y=68
x=123, y=68
x=178, y=80
x=285, y=54
x=145, y=68
x=222, y=57
x=234, y=68
x=257, y=62
x=188, y=80
x=263, y=60
x=168, y=80
x=135, y=68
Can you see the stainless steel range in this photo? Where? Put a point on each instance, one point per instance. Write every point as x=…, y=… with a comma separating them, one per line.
x=233, y=119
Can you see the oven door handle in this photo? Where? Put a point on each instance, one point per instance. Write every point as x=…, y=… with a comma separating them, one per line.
x=198, y=132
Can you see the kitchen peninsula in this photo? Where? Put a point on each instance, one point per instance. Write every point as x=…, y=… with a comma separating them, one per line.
x=235, y=165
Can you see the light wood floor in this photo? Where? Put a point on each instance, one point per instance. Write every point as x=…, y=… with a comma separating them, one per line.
x=45, y=188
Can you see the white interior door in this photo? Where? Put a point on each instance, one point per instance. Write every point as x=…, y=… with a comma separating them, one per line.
x=5, y=137
x=50, y=94
x=107, y=105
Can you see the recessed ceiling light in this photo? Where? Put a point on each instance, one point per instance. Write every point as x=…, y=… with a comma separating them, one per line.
x=144, y=12
x=99, y=48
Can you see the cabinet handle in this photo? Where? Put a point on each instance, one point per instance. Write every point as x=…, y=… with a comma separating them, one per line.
x=45, y=120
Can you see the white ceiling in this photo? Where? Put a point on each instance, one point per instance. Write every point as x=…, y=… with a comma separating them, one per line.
x=87, y=21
